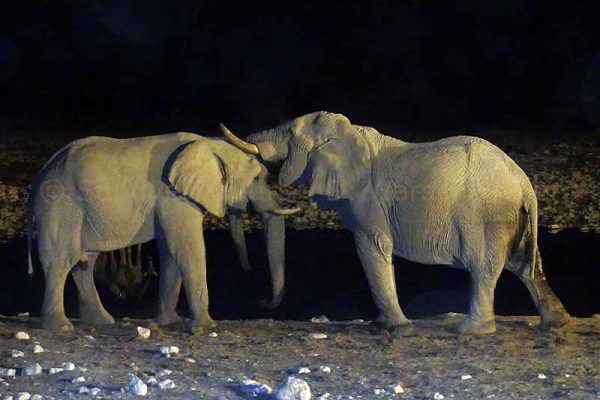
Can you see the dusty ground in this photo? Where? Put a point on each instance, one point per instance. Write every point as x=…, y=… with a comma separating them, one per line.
x=505, y=365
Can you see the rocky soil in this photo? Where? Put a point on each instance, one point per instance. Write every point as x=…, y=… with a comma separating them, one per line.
x=566, y=177
x=351, y=360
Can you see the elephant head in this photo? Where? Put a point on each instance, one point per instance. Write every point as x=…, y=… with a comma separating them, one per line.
x=323, y=149
x=219, y=178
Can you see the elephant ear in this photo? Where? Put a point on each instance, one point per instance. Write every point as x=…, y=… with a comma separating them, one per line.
x=199, y=174
x=340, y=165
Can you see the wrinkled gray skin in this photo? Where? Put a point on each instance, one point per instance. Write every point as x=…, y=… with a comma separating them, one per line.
x=459, y=201
x=99, y=194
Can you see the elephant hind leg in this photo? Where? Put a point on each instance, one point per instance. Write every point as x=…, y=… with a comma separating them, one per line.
x=91, y=310
x=53, y=308
x=553, y=314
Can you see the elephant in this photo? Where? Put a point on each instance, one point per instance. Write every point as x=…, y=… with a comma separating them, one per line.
x=98, y=194
x=125, y=278
x=458, y=201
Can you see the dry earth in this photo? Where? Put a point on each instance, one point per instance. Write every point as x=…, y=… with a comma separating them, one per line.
x=517, y=362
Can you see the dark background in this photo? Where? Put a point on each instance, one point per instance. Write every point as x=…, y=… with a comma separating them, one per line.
x=164, y=65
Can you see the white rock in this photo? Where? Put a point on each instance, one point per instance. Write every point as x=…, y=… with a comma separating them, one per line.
x=395, y=389
x=317, y=336
x=143, y=333
x=166, y=350
x=321, y=319
x=164, y=372
x=68, y=366
x=78, y=379
x=378, y=391
x=38, y=349
x=324, y=396
x=95, y=391
x=136, y=386
x=31, y=369
x=90, y=337
x=151, y=381
x=249, y=388
x=37, y=397
x=325, y=369
x=53, y=371
x=190, y=360
x=8, y=372
x=166, y=384
x=542, y=376
x=15, y=353
x=23, y=314
x=22, y=335
x=213, y=334
x=438, y=396
x=8, y=398
x=293, y=389
x=22, y=396
x=301, y=370
x=465, y=377
x=83, y=390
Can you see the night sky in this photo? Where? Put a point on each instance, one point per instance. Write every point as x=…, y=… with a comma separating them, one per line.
x=525, y=65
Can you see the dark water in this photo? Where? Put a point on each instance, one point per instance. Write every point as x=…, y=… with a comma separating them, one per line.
x=324, y=276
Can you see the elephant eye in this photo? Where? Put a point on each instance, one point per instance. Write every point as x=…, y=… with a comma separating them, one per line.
x=324, y=142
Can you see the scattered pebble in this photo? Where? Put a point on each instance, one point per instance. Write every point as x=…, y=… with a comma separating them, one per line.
x=23, y=396
x=325, y=369
x=213, y=334
x=78, y=379
x=143, y=333
x=23, y=314
x=317, y=336
x=15, y=353
x=68, y=366
x=377, y=391
x=465, y=377
x=90, y=337
x=22, y=335
x=37, y=397
x=301, y=370
x=542, y=376
x=438, y=396
x=95, y=391
x=293, y=389
x=167, y=350
x=31, y=369
x=190, y=360
x=38, y=349
x=324, y=396
x=321, y=319
x=83, y=390
x=136, y=386
x=151, y=381
x=166, y=384
x=249, y=388
x=8, y=372
x=164, y=372
x=53, y=371
x=395, y=389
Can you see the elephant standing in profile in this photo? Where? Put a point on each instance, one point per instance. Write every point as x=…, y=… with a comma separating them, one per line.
x=459, y=201
x=99, y=194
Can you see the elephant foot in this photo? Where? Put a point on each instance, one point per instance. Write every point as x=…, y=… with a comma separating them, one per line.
x=471, y=326
x=200, y=327
x=168, y=318
x=57, y=323
x=95, y=317
x=556, y=322
x=405, y=329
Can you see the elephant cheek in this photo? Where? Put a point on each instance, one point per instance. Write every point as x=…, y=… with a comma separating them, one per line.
x=293, y=167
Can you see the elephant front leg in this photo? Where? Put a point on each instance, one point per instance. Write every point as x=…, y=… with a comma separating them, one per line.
x=168, y=290
x=375, y=253
x=91, y=310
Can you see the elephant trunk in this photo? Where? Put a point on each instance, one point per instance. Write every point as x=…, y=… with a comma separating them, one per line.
x=274, y=231
x=236, y=226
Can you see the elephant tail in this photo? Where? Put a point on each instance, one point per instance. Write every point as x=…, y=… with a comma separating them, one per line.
x=30, y=233
x=532, y=254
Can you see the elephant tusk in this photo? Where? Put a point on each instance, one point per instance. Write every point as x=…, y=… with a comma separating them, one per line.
x=285, y=211
x=239, y=143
